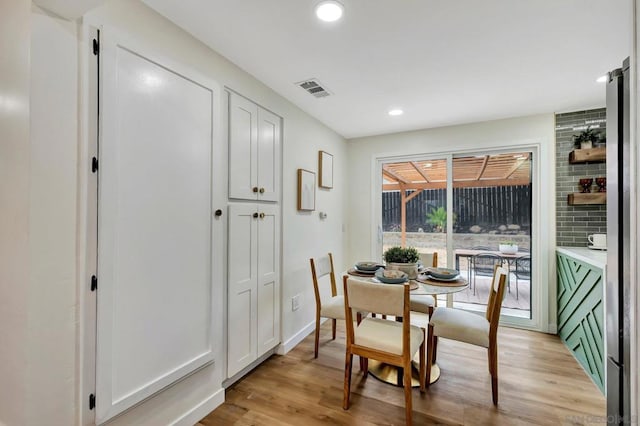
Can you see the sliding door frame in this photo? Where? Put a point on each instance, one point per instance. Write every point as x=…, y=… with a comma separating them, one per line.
x=540, y=301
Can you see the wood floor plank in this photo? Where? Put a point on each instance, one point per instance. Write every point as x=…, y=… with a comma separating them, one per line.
x=540, y=383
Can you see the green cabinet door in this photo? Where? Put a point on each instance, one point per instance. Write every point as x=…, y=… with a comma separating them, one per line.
x=581, y=314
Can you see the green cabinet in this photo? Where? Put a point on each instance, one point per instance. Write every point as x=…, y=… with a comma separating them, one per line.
x=581, y=313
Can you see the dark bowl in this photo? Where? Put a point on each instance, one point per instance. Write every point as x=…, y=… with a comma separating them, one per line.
x=368, y=266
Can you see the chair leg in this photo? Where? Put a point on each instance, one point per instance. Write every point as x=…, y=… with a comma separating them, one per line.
x=333, y=329
x=435, y=348
x=430, y=354
x=430, y=311
x=494, y=372
x=360, y=358
x=315, y=351
x=517, y=296
x=423, y=372
x=408, y=406
x=365, y=367
x=347, y=380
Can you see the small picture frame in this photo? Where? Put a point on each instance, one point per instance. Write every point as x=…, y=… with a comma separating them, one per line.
x=325, y=166
x=306, y=190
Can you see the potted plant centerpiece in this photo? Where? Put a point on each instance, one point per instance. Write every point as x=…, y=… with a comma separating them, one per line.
x=404, y=259
x=508, y=247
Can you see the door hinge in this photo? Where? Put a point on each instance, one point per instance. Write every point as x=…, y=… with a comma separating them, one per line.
x=94, y=164
x=96, y=47
x=92, y=402
x=94, y=283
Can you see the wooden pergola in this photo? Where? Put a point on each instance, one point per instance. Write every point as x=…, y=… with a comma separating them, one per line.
x=468, y=172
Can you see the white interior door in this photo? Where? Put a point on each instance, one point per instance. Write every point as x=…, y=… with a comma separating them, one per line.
x=268, y=288
x=154, y=309
x=243, y=139
x=242, y=293
x=268, y=155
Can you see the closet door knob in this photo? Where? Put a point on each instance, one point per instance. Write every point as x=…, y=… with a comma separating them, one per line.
x=218, y=213
x=262, y=190
x=255, y=189
x=261, y=215
x=255, y=215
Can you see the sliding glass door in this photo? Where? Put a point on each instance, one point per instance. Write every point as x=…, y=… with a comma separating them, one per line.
x=465, y=208
x=492, y=202
x=414, y=206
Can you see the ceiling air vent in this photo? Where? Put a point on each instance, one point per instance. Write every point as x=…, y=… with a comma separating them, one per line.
x=314, y=87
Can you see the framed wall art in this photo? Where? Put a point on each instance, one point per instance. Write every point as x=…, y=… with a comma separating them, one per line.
x=325, y=166
x=306, y=190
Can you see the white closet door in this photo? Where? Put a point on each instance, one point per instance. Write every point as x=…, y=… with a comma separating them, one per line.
x=268, y=155
x=242, y=289
x=243, y=138
x=268, y=278
x=154, y=312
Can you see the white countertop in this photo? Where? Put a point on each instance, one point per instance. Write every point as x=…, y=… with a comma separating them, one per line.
x=597, y=258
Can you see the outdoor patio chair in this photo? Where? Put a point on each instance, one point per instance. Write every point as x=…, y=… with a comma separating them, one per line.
x=483, y=265
x=523, y=270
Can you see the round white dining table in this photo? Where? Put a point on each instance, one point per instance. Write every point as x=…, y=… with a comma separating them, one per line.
x=425, y=286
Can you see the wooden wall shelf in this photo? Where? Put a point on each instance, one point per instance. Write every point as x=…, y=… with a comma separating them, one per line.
x=584, y=198
x=591, y=155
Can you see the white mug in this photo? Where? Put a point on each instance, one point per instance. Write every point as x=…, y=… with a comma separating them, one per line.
x=598, y=240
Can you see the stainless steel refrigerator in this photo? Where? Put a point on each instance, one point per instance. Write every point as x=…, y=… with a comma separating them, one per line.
x=618, y=257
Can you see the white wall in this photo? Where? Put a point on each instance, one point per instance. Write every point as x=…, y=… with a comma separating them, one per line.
x=14, y=207
x=533, y=130
x=53, y=317
x=52, y=218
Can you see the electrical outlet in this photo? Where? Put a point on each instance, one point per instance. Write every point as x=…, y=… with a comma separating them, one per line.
x=295, y=302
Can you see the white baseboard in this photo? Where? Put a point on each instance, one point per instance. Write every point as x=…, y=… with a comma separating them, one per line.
x=200, y=410
x=285, y=347
x=553, y=329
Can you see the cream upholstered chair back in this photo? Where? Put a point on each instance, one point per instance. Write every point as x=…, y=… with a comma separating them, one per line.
x=372, y=297
x=381, y=339
x=320, y=267
x=429, y=259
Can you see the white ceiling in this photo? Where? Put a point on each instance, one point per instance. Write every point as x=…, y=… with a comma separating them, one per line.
x=443, y=61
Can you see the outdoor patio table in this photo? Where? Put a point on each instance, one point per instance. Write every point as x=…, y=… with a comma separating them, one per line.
x=469, y=253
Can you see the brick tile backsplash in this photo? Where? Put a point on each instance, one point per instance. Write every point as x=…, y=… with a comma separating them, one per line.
x=574, y=223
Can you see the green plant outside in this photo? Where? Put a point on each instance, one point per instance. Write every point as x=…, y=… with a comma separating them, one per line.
x=438, y=218
x=399, y=254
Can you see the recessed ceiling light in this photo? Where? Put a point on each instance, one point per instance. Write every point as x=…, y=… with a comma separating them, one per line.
x=395, y=112
x=329, y=10
x=602, y=79
x=428, y=165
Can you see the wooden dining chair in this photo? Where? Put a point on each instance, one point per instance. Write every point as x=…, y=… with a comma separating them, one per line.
x=327, y=307
x=384, y=340
x=469, y=327
x=425, y=303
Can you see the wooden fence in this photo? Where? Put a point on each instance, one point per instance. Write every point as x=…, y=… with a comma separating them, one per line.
x=488, y=207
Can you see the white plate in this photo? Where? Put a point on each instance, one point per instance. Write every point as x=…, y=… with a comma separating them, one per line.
x=592, y=247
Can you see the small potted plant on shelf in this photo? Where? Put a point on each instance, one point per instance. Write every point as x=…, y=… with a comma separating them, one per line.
x=508, y=247
x=404, y=259
x=586, y=139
